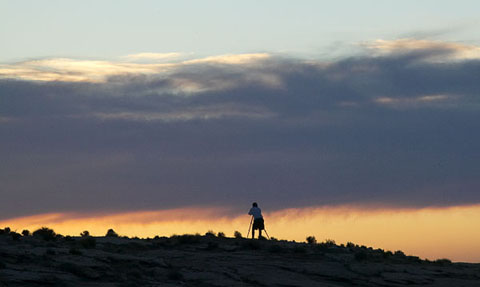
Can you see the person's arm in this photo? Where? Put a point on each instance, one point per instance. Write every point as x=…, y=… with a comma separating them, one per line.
x=250, y=212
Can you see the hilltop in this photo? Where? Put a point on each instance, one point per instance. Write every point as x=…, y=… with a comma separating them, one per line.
x=47, y=259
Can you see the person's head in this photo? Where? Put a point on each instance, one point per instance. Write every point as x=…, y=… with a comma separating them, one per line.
x=254, y=204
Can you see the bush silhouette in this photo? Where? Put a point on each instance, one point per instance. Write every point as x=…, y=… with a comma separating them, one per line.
x=443, y=261
x=6, y=230
x=210, y=233
x=85, y=233
x=221, y=235
x=330, y=242
x=45, y=233
x=387, y=254
x=399, y=253
x=87, y=242
x=111, y=233
x=186, y=238
x=351, y=245
x=26, y=232
x=311, y=240
x=237, y=234
x=15, y=236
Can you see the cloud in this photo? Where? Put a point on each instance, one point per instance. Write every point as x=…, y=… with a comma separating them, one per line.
x=201, y=113
x=445, y=51
x=231, y=59
x=396, y=129
x=71, y=70
x=427, y=100
x=74, y=70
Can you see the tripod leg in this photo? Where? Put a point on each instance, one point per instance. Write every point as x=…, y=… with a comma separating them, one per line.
x=249, y=227
x=266, y=233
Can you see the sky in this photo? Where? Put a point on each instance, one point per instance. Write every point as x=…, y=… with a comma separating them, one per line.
x=347, y=109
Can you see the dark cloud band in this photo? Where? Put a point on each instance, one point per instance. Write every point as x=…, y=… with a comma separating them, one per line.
x=395, y=129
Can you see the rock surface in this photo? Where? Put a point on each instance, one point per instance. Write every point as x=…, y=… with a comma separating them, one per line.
x=190, y=260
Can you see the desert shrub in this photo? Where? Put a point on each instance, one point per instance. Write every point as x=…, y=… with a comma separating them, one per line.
x=399, y=253
x=26, y=232
x=414, y=259
x=273, y=239
x=330, y=242
x=237, y=234
x=210, y=233
x=350, y=245
x=443, y=261
x=75, y=251
x=87, y=242
x=361, y=255
x=6, y=230
x=111, y=233
x=187, y=238
x=221, y=235
x=387, y=254
x=45, y=233
x=69, y=238
x=311, y=240
x=85, y=233
x=15, y=236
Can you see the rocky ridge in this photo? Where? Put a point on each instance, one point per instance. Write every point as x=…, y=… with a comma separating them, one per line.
x=209, y=260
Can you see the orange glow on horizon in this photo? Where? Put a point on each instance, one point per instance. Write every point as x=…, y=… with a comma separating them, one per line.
x=432, y=233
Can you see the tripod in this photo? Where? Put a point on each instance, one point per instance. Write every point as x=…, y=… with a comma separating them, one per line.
x=250, y=226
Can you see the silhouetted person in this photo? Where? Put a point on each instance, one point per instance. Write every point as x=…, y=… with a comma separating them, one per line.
x=257, y=220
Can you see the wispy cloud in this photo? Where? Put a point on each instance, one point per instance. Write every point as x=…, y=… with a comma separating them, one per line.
x=71, y=70
x=414, y=101
x=445, y=51
x=200, y=113
x=230, y=59
x=74, y=70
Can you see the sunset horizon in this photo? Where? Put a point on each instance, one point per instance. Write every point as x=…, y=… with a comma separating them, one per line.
x=349, y=121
